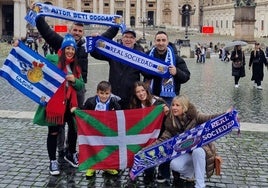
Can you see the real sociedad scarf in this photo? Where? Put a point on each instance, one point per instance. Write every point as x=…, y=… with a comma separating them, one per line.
x=41, y=9
x=186, y=142
x=128, y=56
x=167, y=87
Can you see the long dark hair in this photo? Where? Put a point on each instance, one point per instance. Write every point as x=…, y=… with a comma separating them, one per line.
x=75, y=67
x=135, y=102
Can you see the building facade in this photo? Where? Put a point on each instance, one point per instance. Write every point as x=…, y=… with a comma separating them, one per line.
x=175, y=14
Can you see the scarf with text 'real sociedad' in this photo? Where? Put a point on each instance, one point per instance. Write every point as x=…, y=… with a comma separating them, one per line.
x=40, y=9
x=185, y=142
x=128, y=56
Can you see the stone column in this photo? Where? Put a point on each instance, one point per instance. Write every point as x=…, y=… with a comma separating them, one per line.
x=58, y=21
x=138, y=12
x=127, y=13
x=112, y=7
x=100, y=6
x=19, y=22
x=1, y=21
x=78, y=5
x=158, y=13
x=245, y=23
x=95, y=6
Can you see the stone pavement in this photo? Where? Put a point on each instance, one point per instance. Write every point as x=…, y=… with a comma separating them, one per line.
x=211, y=88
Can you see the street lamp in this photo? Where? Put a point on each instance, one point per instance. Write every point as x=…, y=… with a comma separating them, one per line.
x=186, y=11
x=143, y=21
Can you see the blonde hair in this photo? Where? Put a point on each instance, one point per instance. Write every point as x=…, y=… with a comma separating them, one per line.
x=184, y=101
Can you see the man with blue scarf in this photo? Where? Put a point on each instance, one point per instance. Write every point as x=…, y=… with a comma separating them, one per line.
x=167, y=88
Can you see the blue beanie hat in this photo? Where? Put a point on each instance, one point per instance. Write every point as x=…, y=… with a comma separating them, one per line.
x=68, y=41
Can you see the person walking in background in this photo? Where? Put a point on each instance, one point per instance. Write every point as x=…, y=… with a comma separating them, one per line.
x=257, y=60
x=102, y=101
x=202, y=55
x=226, y=58
x=197, y=53
x=141, y=98
x=58, y=109
x=35, y=45
x=238, y=64
x=45, y=48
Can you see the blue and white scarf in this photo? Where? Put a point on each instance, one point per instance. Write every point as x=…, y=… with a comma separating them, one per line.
x=167, y=87
x=40, y=9
x=128, y=56
x=100, y=106
x=185, y=142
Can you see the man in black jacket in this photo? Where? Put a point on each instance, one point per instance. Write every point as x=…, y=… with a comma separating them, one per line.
x=121, y=76
x=166, y=88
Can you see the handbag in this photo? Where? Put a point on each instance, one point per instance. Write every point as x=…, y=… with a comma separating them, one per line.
x=256, y=60
x=237, y=64
x=218, y=162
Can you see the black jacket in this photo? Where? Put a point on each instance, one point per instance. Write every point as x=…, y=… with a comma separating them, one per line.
x=122, y=77
x=54, y=40
x=182, y=76
x=91, y=103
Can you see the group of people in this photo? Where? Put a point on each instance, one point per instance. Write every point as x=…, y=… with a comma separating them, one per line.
x=123, y=90
x=200, y=52
x=257, y=61
x=46, y=48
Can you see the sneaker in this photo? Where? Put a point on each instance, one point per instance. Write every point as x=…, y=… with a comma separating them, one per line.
x=72, y=159
x=160, y=179
x=112, y=171
x=259, y=87
x=236, y=85
x=54, y=168
x=254, y=85
x=90, y=173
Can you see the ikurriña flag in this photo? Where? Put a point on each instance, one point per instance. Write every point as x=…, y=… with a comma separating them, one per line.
x=110, y=139
x=32, y=74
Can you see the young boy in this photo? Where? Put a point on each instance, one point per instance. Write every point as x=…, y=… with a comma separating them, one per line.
x=102, y=101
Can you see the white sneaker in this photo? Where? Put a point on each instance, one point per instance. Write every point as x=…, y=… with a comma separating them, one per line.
x=259, y=87
x=236, y=85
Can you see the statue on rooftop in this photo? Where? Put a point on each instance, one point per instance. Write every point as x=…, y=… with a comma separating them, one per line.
x=244, y=3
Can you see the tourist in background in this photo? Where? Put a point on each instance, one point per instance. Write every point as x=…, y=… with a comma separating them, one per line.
x=238, y=64
x=257, y=60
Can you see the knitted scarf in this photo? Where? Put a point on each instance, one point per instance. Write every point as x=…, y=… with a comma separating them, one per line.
x=65, y=97
x=100, y=106
x=167, y=87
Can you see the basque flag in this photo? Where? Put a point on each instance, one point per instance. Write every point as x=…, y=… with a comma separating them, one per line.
x=32, y=74
x=110, y=139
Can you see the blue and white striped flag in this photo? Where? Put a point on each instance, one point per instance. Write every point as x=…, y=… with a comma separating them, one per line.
x=32, y=74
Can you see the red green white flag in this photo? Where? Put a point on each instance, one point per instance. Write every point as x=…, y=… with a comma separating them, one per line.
x=110, y=139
